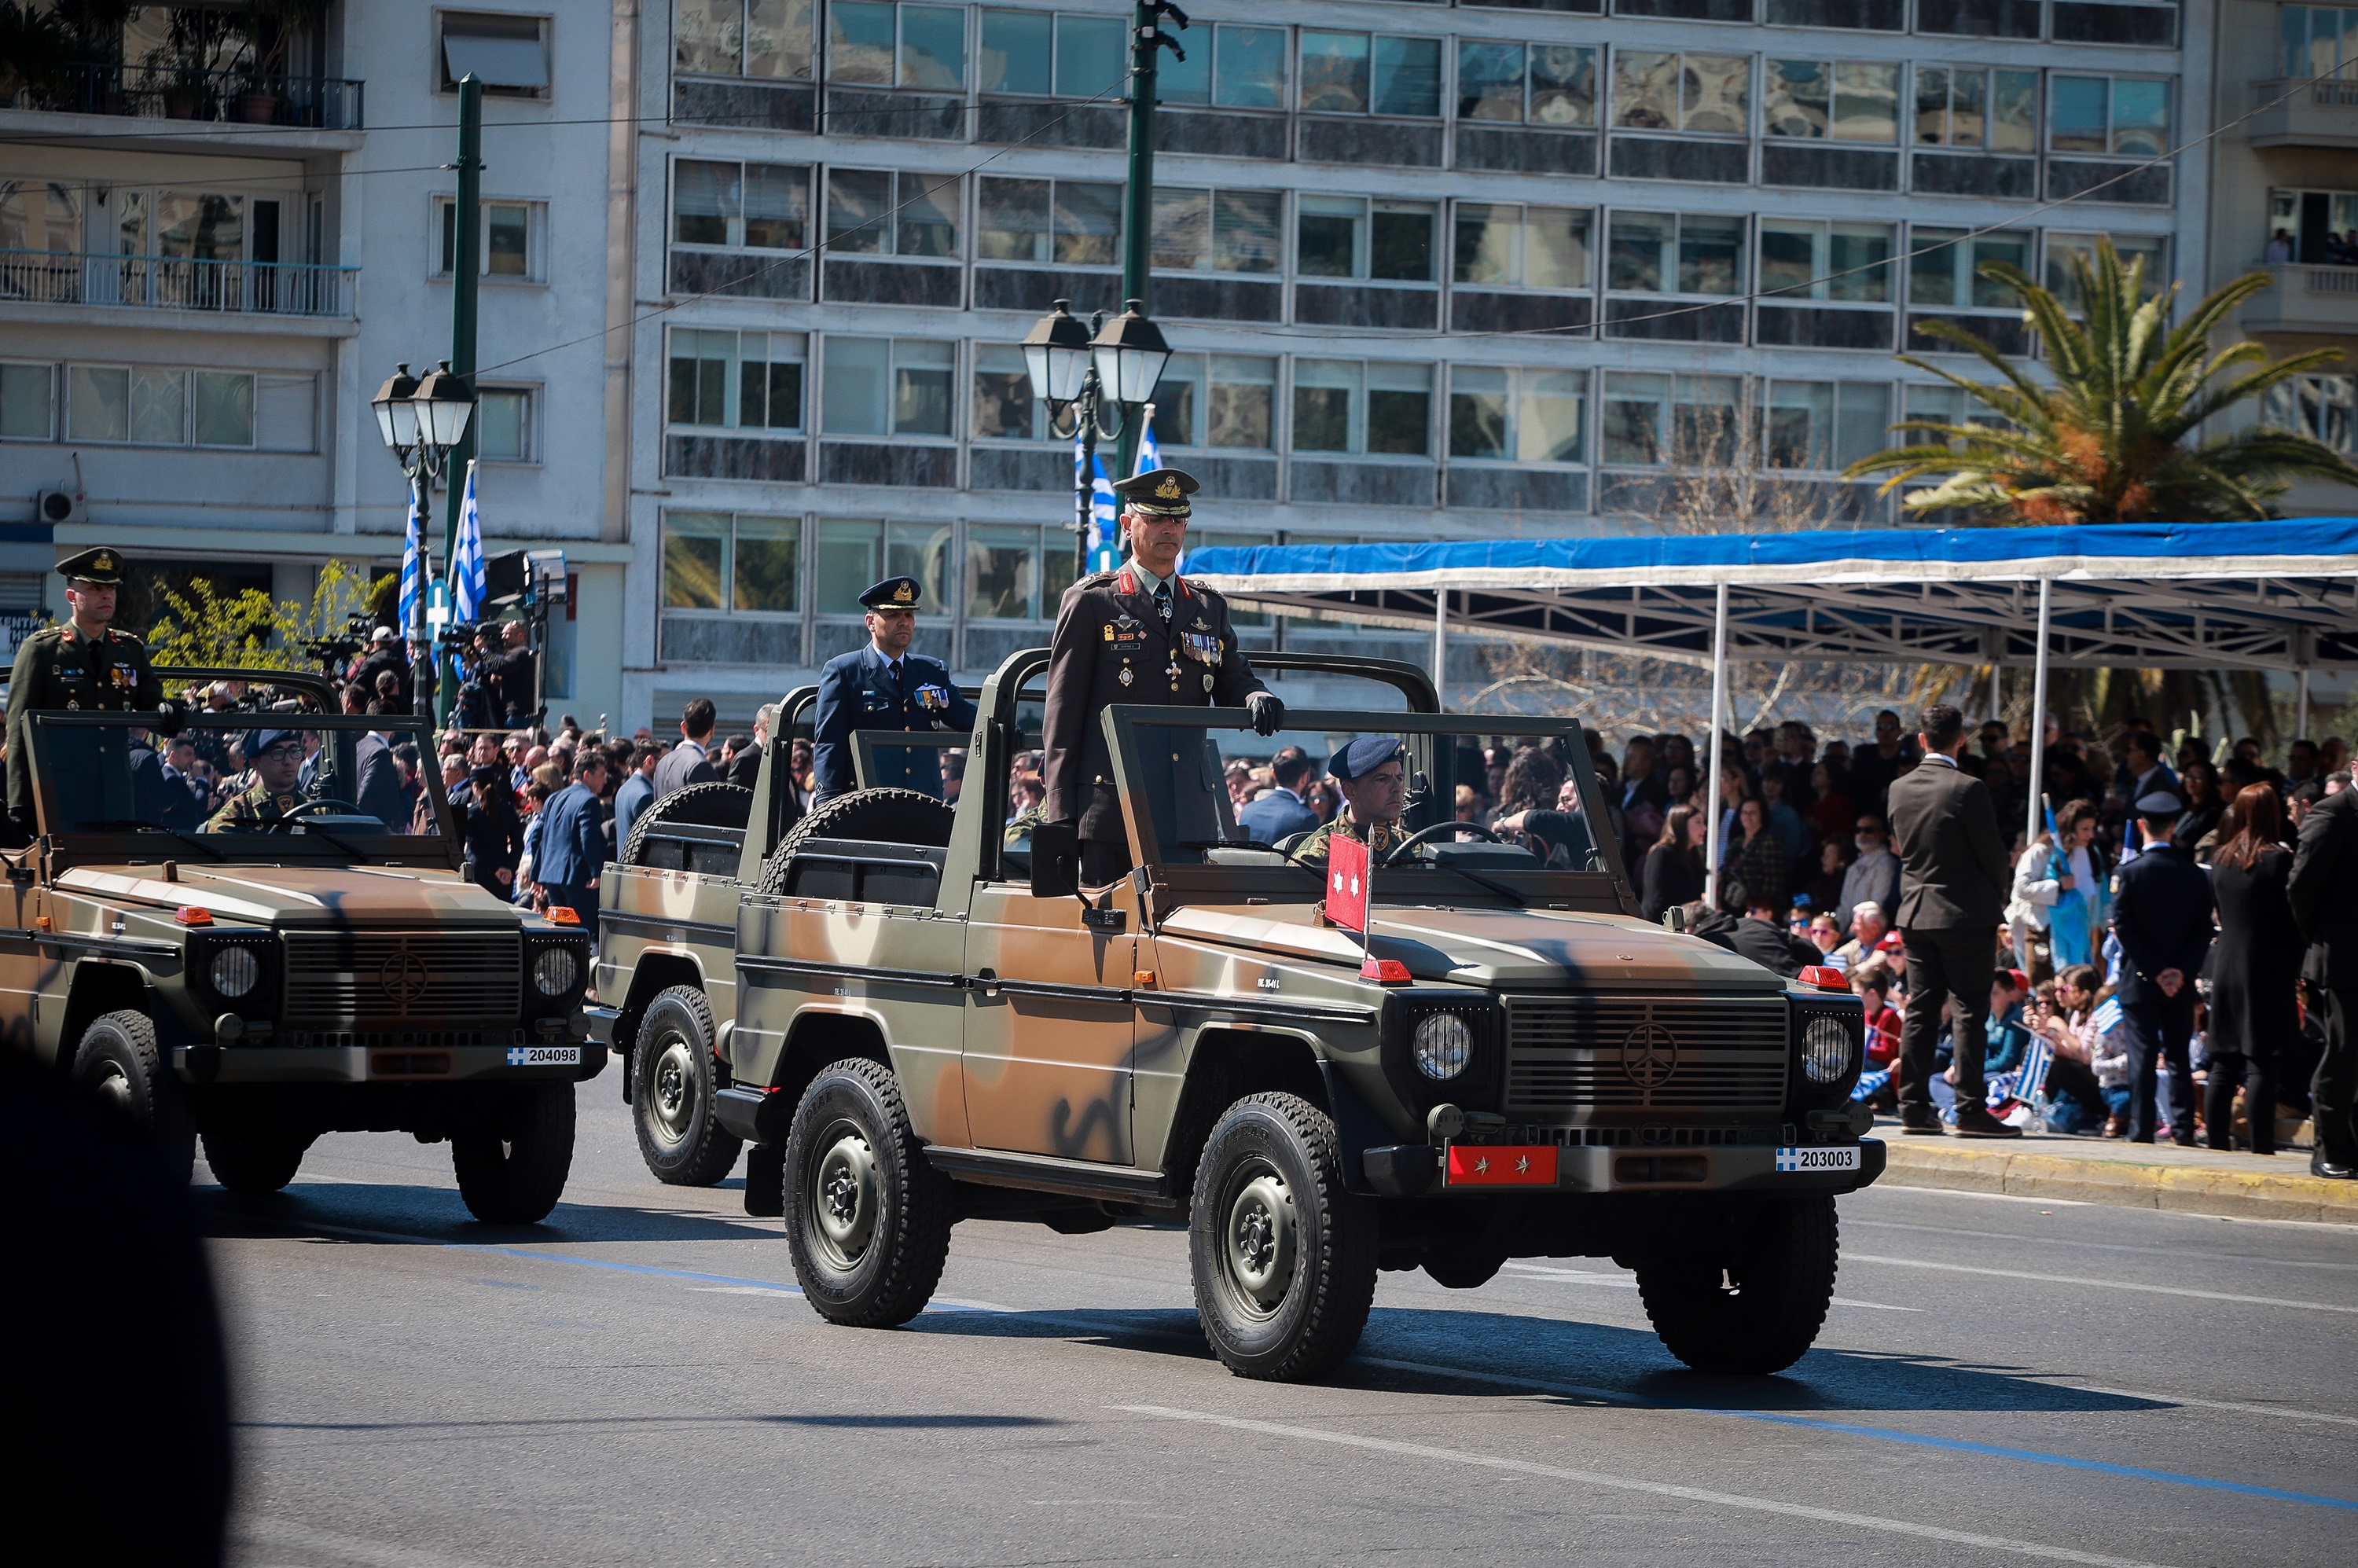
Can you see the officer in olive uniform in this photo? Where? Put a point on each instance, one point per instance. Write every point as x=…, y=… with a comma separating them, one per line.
x=1144, y=635
x=885, y=687
x=276, y=758
x=84, y=664
x=1373, y=777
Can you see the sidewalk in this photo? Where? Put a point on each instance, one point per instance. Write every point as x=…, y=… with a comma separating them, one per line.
x=2104, y=1169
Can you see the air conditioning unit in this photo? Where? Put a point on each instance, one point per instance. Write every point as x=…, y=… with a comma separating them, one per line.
x=54, y=506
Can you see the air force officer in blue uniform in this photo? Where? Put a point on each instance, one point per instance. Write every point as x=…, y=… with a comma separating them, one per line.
x=885, y=687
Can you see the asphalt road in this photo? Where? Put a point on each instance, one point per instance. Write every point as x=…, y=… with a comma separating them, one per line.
x=636, y=1381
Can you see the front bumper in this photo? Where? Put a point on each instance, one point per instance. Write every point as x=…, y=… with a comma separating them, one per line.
x=1410, y=1170
x=388, y=1064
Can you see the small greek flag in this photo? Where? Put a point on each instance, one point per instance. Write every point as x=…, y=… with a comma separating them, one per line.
x=467, y=574
x=1104, y=536
x=413, y=564
x=1789, y=1159
x=2108, y=1017
x=1150, y=456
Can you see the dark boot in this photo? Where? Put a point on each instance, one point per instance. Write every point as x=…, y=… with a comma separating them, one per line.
x=2322, y=1164
x=1922, y=1123
x=1975, y=1121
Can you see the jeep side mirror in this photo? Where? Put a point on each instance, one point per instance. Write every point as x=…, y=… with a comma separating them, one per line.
x=1055, y=861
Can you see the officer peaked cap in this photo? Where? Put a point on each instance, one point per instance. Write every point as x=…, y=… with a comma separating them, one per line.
x=2159, y=804
x=895, y=593
x=1158, y=492
x=101, y=564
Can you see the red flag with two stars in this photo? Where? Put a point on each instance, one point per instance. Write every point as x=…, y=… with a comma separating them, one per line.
x=1347, y=882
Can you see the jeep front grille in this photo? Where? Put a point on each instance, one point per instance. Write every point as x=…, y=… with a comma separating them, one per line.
x=1625, y=1058
x=344, y=977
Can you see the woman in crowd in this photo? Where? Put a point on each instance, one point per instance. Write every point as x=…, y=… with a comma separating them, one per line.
x=1762, y=871
x=2059, y=887
x=1831, y=811
x=1873, y=982
x=2077, y=1101
x=1674, y=867
x=1533, y=783
x=2204, y=807
x=2255, y=969
x=1825, y=884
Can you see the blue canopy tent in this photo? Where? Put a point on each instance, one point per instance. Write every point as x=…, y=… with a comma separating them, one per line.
x=2269, y=596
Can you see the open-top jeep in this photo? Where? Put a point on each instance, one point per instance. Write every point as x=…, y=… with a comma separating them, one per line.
x=930, y=1024
x=313, y=969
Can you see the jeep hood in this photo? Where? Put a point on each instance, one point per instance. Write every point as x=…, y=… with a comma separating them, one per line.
x=1519, y=949
x=305, y=896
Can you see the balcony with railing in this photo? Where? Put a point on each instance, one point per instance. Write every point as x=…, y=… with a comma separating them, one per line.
x=177, y=283
x=2295, y=114
x=174, y=92
x=2306, y=300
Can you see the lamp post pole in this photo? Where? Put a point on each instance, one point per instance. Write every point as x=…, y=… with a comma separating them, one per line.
x=466, y=267
x=1147, y=36
x=1084, y=490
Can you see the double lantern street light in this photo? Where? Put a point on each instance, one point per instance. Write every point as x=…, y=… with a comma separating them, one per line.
x=1094, y=380
x=423, y=422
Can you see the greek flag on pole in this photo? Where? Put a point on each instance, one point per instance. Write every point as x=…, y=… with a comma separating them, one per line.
x=413, y=564
x=1104, y=543
x=1150, y=456
x=467, y=574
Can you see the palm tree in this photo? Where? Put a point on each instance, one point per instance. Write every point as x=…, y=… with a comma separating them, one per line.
x=2112, y=438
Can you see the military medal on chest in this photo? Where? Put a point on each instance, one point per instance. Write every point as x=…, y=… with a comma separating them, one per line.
x=1125, y=676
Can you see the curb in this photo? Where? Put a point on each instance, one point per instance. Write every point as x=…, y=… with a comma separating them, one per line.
x=2184, y=1189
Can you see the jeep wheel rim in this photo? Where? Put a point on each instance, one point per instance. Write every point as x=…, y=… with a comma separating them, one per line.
x=1260, y=1239
x=670, y=1101
x=114, y=1086
x=842, y=1194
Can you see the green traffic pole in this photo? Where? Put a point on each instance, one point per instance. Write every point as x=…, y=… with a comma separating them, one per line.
x=1138, y=193
x=466, y=267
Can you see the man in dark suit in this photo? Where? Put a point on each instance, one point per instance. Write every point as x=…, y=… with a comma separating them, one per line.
x=1953, y=878
x=885, y=687
x=1143, y=634
x=2162, y=916
x=2324, y=891
x=687, y=762
x=569, y=854
x=1281, y=813
x=1760, y=937
x=745, y=767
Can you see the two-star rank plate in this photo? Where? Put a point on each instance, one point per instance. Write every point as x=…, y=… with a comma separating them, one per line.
x=1844, y=1157
x=1500, y=1165
x=544, y=1055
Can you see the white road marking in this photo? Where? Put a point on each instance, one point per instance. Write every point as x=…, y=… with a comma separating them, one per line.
x=287, y=1535
x=2211, y=1404
x=1623, y=1282
x=2097, y=1284
x=2074, y=1242
x=1652, y=1488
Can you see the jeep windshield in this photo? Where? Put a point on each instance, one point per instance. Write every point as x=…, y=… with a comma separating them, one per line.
x=1457, y=808
x=237, y=786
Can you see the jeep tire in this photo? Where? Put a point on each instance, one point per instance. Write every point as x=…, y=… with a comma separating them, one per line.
x=1284, y=1257
x=868, y=1218
x=1756, y=1310
x=710, y=804
x=254, y=1160
x=512, y=1165
x=880, y=815
x=674, y=1076
x=118, y=1060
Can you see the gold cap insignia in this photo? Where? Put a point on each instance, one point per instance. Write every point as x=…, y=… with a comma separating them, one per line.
x=103, y=561
x=905, y=593
x=1167, y=491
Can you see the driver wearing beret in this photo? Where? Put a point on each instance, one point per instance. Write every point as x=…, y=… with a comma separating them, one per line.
x=276, y=758
x=1373, y=777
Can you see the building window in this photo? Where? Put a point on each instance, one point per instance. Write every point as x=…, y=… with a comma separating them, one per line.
x=1677, y=421
x=2128, y=115
x=1344, y=406
x=1665, y=253
x=887, y=386
x=1043, y=53
x=1218, y=400
x=1226, y=66
x=1518, y=415
x=1945, y=270
x=750, y=206
x=1351, y=236
x=853, y=555
x=743, y=37
x=508, y=54
x=732, y=562
x=2318, y=228
x=507, y=242
x=1973, y=106
x=1005, y=580
x=2318, y=39
x=1825, y=426
x=736, y=381
x=896, y=46
x=2322, y=408
x=1071, y=222
x=1370, y=73
x=1843, y=100
x=1695, y=94
x=39, y=215
x=1004, y=408
x=1216, y=231
x=874, y=212
x=2152, y=249
x=1804, y=258
x=503, y=425
x=1522, y=247
x=28, y=398
x=160, y=406
x=1538, y=84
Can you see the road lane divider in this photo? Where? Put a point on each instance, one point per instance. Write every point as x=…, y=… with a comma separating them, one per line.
x=2095, y=1284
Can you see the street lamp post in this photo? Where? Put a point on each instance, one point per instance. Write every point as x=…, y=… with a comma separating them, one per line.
x=422, y=422
x=1093, y=380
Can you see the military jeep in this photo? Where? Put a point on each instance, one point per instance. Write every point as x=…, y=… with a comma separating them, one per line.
x=257, y=983
x=931, y=1023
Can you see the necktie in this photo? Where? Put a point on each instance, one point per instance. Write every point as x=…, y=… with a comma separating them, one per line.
x=1162, y=600
x=893, y=671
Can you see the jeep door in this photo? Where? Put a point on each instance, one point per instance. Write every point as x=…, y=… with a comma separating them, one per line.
x=1049, y=1026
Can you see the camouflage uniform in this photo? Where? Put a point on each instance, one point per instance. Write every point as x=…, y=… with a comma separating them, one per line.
x=250, y=807
x=1380, y=840
x=1018, y=834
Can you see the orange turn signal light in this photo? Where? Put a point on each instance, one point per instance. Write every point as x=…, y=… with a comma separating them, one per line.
x=1826, y=978
x=1143, y=979
x=190, y=915
x=1385, y=971
x=563, y=916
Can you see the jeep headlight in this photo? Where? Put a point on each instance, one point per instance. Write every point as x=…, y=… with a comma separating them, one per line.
x=556, y=970
x=234, y=971
x=1443, y=1046
x=1827, y=1050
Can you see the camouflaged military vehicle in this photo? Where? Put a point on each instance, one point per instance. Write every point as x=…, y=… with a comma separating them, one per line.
x=256, y=981
x=930, y=1021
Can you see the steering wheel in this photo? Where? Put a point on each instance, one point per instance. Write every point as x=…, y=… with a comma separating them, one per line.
x=311, y=808
x=1426, y=835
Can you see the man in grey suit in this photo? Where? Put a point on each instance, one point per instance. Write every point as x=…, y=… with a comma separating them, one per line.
x=2324, y=891
x=1952, y=887
x=1281, y=813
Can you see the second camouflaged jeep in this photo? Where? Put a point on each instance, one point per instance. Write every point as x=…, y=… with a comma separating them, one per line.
x=259, y=980
x=928, y=1026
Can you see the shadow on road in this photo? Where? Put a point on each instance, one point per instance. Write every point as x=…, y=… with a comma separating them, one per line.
x=436, y=1214
x=913, y=1421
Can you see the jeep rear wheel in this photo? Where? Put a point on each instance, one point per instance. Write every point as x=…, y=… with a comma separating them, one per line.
x=512, y=1166
x=868, y=1219
x=1284, y=1257
x=118, y=1060
x=1757, y=1311
x=255, y=1160
x=671, y=1100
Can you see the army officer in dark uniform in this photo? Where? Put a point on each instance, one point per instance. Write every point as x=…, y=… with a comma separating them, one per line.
x=1143, y=634
x=884, y=687
x=84, y=664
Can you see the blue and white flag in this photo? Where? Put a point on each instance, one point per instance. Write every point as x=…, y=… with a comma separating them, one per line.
x=1105, y=515
x=413, y=566
x=1150, y=456
x=467, y=574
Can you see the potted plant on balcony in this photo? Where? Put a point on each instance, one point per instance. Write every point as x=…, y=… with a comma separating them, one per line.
x=34, y=56
x=270, y=28
x=93, y=31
